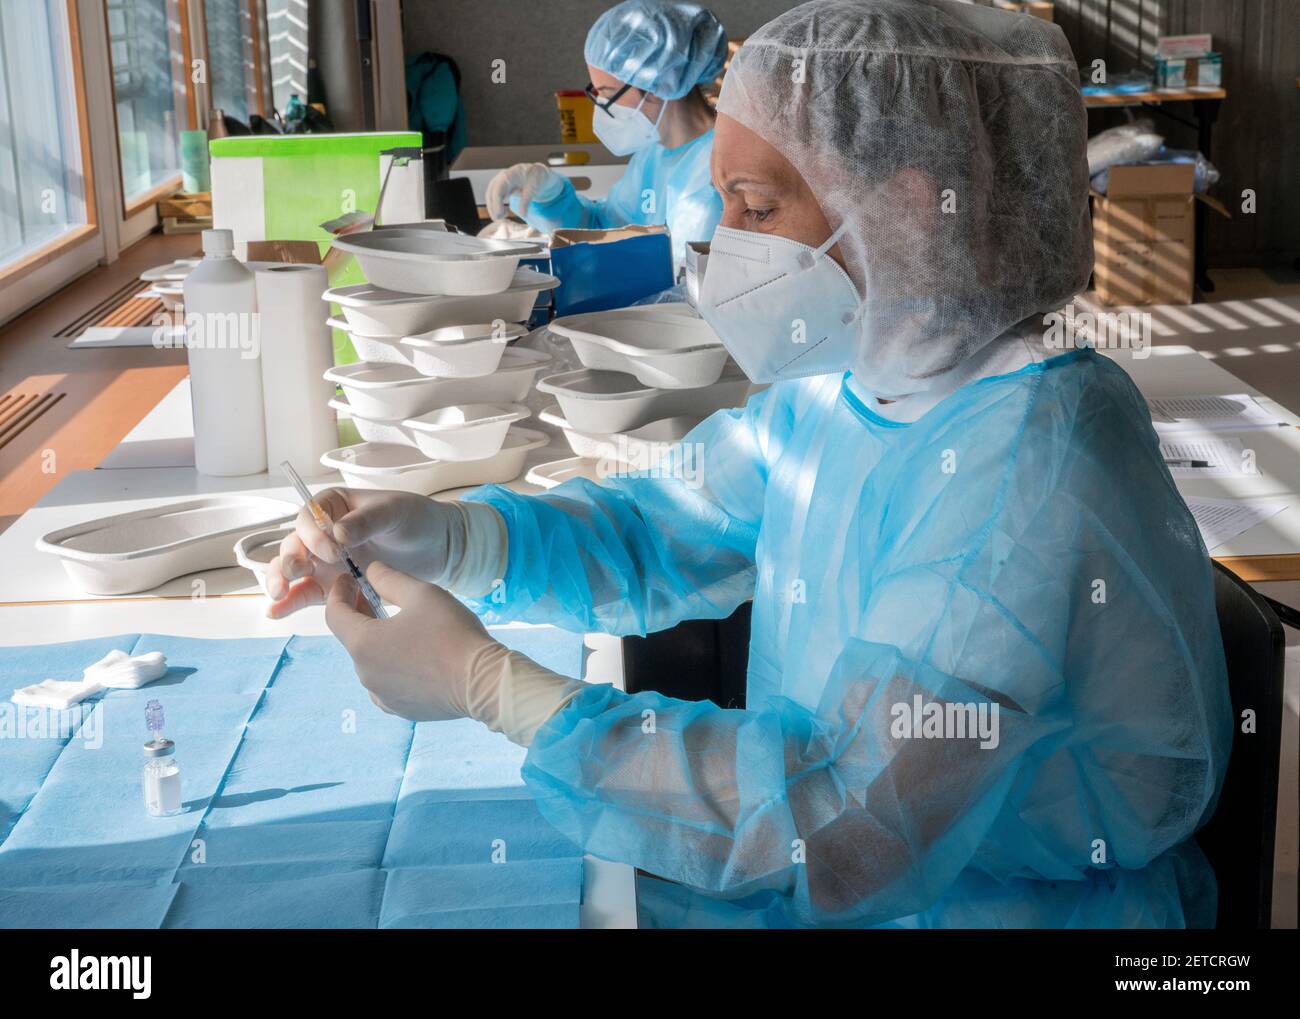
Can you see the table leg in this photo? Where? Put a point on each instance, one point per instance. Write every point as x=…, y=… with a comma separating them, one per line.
x=1207, y=111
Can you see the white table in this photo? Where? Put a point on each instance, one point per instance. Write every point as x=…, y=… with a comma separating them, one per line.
x=163, y=438
x=592, y=179
x=38, y=604
x=1271, y=549
x=154, y=464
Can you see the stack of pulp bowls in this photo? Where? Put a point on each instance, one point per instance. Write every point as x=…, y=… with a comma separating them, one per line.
x=650, y=374
x=438, y=394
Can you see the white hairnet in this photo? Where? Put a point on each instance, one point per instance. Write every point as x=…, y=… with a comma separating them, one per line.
x=983, y=108
x=665, y=47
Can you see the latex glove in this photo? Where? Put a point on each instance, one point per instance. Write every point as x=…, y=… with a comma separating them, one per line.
x=531, y=181
x=460, y=545
x=435, y=661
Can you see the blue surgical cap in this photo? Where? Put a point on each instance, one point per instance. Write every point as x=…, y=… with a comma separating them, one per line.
x=666, y=47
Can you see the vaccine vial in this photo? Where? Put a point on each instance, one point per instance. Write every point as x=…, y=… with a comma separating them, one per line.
x=162, y=774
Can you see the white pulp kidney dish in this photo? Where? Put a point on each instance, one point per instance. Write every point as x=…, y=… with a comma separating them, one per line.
x=404, y=468
x=372, y=429
x=176, y=270
x=606, y=401
x=433, y=262
x=641, y=448
x=255, y=551
x=396, y=391
x=376, y=311
x=667, y=346
x=459, y=432
x=470, y=431
x=138, y=551
x=460, y=352
x=557, y=472
x=374, y=349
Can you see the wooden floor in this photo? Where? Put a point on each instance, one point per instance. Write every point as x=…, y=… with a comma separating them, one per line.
x=79, y=402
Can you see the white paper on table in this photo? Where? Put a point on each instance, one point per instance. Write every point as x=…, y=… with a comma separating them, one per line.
x=1208, y=413
x=1227, y=457
x=1221, y=520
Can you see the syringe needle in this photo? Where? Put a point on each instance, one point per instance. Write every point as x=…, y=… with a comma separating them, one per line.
x=323, y=522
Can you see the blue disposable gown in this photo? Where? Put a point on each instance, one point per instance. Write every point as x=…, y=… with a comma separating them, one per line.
x=661, y=187
x=1020, y=546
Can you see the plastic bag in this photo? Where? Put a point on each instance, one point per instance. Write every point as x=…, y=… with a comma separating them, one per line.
x=1207, y=174
x=1128, y=143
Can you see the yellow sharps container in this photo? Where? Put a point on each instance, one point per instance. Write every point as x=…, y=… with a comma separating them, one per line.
x=575, y=116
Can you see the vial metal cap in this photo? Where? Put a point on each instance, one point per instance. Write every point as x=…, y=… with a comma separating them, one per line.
x=159, y=748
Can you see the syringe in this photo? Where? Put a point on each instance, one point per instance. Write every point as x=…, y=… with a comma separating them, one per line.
x=323, y=522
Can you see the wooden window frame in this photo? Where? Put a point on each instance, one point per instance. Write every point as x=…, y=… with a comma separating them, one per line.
x=261, y=70
x=153, y=196
x=80, y=233
x=255, y=11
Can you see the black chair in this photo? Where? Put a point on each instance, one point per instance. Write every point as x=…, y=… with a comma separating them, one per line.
x=707, y=658
x=452, y=199
x=1238, y=839
x=699, y=659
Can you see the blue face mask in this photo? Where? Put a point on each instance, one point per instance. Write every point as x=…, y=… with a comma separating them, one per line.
x=782, y=309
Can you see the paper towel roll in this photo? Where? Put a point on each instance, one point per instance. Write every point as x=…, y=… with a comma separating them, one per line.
x=297, y=349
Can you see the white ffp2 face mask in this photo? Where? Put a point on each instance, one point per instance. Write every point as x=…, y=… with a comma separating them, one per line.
x=625, y=129
x=782, y=309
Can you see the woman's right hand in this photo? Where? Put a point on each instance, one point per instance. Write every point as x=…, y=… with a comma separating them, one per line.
x=530, y=181
x=411, y=532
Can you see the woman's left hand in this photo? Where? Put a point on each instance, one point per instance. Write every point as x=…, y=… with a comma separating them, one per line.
x=419, y=664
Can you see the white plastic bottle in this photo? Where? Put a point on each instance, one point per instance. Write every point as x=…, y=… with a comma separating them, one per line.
x=223, y=340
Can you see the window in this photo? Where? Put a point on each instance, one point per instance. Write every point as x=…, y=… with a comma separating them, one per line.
x=234, y=62
x=43, y=190
x=147, y=46
x=286, y=27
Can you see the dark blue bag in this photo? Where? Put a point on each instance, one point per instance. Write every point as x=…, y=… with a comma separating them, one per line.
x=610, y=274
x=434, y=108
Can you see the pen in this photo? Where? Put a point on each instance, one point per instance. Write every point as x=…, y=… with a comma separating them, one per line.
x=322, y=521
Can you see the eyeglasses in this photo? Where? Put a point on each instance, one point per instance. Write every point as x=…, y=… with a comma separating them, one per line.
x=600, y=100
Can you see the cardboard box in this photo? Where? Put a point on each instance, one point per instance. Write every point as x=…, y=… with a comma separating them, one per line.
x=289, y=252
x=1190, y=72
x=1144, y=235
x=271, y=187
x=1184, y=45
x=566, y=236
x=187, y=206
x=1038, y=8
